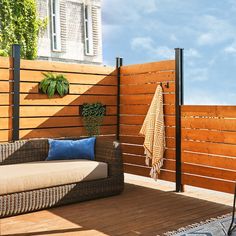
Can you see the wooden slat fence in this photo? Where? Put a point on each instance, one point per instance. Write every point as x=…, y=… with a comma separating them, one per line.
x=209, y=147
x=208, y=132
x=56, y=117
x=5, y=99
x=138, y=85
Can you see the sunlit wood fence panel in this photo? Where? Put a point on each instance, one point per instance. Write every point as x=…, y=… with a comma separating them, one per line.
x=138, y=85
x=209, y=147
x=57, y=117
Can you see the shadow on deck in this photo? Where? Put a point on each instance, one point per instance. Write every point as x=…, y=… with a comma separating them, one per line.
x=138, y=211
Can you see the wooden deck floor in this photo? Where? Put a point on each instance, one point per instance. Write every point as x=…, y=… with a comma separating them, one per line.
x=145, y=208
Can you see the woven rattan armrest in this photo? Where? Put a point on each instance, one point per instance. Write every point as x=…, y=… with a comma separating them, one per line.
x=110, y=152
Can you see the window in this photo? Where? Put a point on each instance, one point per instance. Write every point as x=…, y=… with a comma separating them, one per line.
x=88, y=30
x=55, y=25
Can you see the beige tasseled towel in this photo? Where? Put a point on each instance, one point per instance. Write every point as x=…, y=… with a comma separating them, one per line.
x=154, y=133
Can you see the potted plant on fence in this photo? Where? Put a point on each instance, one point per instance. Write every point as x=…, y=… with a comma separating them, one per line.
x=54, y=84
x=93, y=114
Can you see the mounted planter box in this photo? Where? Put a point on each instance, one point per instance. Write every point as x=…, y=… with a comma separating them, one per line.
x=92, y=114
x=54, y=84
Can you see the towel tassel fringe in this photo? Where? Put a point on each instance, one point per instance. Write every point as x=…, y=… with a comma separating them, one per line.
x=156, y=169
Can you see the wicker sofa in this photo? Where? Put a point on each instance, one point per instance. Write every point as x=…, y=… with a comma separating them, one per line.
x=35, y=151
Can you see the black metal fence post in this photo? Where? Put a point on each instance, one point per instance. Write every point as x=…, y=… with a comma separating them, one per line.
x=119, y=63
x=179, y=100
x=16, y=91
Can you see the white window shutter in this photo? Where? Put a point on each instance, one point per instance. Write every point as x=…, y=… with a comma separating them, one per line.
x=55, y=25
x=95, y=30
x=88, y=30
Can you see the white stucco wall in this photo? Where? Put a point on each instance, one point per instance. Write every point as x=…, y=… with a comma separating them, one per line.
x=72, y=32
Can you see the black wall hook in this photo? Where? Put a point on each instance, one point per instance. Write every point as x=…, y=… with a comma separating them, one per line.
x=167, y=85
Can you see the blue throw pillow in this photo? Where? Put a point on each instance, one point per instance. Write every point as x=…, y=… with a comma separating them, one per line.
x=71, y=149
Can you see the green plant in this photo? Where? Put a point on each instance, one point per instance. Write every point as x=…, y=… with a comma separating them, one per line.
x=52, y=84
x=93, y=114
x=19, y=24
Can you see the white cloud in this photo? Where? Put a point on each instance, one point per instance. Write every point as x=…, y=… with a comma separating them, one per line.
x=165, y=52
x=232, y=5
x=213, y=30
x=147, y=6
x=192, y=53
x=199, y=97
x=111, y=31
x=148, y=45
x=231, y=49
x=197, y=74
x=206, y=38
x=173, y=37
x=118, y=15
x=142, y=43
x=127, y=11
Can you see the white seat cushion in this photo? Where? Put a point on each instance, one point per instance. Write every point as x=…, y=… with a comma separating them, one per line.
x=36, y=175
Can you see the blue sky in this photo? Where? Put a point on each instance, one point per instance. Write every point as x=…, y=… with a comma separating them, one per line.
x=148, y=30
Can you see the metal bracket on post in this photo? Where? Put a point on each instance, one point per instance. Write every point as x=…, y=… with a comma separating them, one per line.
x=179, y=100
x=16, y=91
x=119, y=63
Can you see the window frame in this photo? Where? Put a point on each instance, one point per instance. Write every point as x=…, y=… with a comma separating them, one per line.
x=88, y=30
x=55, y=26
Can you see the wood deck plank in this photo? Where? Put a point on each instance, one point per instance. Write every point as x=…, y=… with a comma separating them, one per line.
x=145, y=208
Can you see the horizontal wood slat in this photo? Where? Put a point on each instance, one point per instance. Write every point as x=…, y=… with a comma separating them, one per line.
x=209, y=183
x=209, y=123
x=209, y=136
x=5, y=135
x=144, y=99
x=168, y=164
x=138, y=120
x=134, y=130
x=148, y=78
x=140, y=160
x=5, y=74
x=139, y=140
x=5, y=123
x=143, y=109
x=31, y=123
x=74, y=89
x=133, y=159
x=209, y=148
x=5, y=111
x=41, y=99
x=37, y=76
x=139, y=150
x=4, y=62
x=145, y=171
x=132, y=149
x=145, y=88
x=65, y=67
x=6, y=99
x=209, y=111
x=148, y=67
x=209, y=171
x=210, y=160
x=169, y=154
x=5, y=87
x=47, y=111
x=62, y=132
